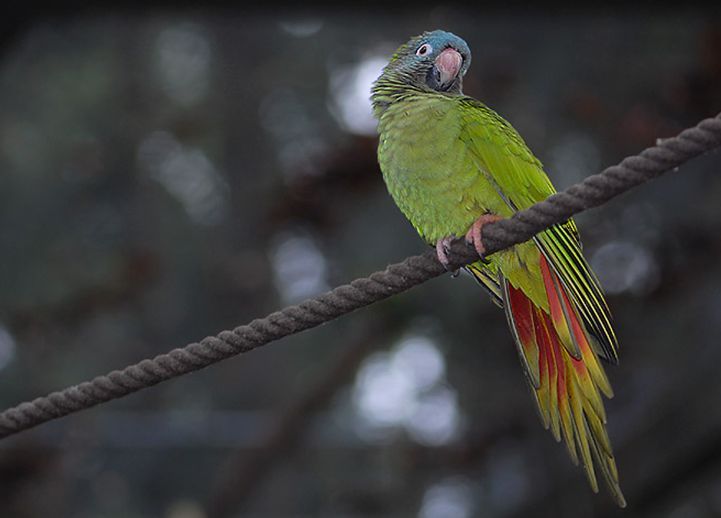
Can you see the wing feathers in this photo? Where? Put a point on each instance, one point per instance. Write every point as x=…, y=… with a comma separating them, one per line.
x=560, y=343
x=516, y=176
x=488, y=281
x=563, y=253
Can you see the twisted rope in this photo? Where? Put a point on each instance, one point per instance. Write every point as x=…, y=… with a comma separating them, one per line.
x=592, y=192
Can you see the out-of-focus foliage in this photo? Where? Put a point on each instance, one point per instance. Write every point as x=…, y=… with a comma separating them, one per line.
x=164, y=177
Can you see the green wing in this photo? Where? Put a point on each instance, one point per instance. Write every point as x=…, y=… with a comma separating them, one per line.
x=504, y=159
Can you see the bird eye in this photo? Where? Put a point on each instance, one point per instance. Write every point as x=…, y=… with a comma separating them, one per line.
x=423, y=49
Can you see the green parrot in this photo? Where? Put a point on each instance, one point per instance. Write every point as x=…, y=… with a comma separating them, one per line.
x=452, y=165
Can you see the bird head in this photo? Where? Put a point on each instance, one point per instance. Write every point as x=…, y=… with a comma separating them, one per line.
x=435, y=60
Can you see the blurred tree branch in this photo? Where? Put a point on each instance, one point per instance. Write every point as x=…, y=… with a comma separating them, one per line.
x=136, y=271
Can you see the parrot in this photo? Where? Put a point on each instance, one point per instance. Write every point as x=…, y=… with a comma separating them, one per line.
x=453, y=165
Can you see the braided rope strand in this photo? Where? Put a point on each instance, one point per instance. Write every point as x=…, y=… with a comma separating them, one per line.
x=592, y=192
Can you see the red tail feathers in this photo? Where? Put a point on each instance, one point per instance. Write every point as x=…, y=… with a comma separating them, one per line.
x=565, y=374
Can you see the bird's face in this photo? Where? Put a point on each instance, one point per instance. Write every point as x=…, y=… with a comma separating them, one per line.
x=437, y=60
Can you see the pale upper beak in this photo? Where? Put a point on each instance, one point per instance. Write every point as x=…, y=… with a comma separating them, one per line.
x=448, y=64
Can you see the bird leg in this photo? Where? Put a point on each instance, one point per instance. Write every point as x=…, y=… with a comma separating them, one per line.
x=473, y=236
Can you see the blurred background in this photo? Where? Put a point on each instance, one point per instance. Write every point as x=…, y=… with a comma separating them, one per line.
x=170, y=174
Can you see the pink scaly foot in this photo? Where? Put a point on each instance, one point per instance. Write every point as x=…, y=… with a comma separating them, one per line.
x=443, y=245
x=473, y=236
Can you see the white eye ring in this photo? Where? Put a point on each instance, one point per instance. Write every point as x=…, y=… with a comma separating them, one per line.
x=424, y=49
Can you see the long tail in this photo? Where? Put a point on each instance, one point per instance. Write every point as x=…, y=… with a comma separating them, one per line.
x=564, y=372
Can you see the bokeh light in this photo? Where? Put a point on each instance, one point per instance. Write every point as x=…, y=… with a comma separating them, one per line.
x=350, y=87
x=405, y=388
x=299, y=267
x=187, y=174
x=626, y=266
x=183, y=59
x=448, y=498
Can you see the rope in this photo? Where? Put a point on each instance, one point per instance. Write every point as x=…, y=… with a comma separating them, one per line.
x=595, y=190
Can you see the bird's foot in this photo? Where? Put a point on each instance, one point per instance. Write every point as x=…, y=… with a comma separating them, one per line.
x=473, y=236
x=443, y=246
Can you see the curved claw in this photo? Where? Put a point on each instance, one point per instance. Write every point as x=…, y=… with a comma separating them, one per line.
x=442, y=247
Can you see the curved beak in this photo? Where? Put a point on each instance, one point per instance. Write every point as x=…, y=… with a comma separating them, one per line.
x=448, y=63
